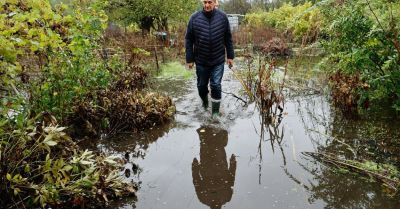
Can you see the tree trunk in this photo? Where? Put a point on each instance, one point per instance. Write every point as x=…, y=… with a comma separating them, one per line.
x=146, y=24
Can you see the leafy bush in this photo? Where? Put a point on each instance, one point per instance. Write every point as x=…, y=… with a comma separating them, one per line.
x=364, y=41
x=59, y=61
x=49, y=60
x=41, y=166
x=53, y=49
x=300, y=21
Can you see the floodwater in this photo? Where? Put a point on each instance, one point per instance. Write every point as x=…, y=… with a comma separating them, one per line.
x=197, y=162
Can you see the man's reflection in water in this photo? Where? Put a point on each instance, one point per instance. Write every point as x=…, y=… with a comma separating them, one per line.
x=212, y=178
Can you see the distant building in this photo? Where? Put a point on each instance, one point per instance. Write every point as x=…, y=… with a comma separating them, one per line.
x=234, y=21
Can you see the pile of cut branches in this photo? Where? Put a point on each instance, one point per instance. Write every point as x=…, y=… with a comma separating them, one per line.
x=276, y=47
x=124, y=107
x=118, y=111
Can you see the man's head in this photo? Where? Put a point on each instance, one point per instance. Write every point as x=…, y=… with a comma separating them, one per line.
x=209, y=5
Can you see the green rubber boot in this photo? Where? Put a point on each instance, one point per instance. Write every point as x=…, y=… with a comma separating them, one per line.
x=204, y=102
x=215, y=108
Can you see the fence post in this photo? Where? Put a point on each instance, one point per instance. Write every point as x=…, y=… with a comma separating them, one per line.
x=155, y=54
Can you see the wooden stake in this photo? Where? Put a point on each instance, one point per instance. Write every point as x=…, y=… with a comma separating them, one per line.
x=155, y=54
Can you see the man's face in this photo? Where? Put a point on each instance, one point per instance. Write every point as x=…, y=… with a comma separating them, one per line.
x=208, y=5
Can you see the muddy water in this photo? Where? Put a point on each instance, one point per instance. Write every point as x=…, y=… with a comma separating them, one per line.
x=196, y=162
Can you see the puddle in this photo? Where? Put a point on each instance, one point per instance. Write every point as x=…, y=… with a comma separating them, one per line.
x=195, y=162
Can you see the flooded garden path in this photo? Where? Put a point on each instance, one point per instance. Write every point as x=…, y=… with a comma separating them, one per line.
x=235, y=162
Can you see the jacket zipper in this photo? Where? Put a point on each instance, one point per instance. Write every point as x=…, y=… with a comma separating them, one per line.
x=209, y=35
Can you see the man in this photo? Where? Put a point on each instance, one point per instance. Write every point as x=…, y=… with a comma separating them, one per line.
x=208, y=36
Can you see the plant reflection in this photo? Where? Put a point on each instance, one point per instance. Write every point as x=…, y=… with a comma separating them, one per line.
x=213, y=178
x=341, y=190
x=330, y=132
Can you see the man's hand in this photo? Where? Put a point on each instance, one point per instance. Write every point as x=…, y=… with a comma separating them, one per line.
x=190, y=65
x=230, y=63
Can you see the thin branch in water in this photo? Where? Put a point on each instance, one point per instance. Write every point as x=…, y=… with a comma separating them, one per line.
x=393, y=184
x=237, y=97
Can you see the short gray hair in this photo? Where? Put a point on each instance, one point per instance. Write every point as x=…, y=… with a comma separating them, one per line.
x=216, y=1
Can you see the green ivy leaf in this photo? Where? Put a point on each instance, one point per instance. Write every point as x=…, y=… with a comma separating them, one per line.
x=8, y=176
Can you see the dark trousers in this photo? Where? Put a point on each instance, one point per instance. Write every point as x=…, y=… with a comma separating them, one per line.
x=212, y=75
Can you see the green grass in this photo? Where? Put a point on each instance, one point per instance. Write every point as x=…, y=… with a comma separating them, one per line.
x=175, y=70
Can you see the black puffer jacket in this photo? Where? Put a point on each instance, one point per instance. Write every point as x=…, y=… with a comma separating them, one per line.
x=207, y=38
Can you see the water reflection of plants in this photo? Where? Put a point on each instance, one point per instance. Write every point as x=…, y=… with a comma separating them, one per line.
x=339, y=189
x=365, y=147
x=129, y=147
x=264, y=86
x=384, y=173
x=360, y=147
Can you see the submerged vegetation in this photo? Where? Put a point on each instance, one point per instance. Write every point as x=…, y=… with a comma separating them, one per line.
x=387, y=174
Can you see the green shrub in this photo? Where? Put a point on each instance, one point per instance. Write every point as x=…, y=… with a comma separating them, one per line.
x=56, y=47
x=301, y=20
x=364, y=41
x=41, y=166
x=49, y=59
